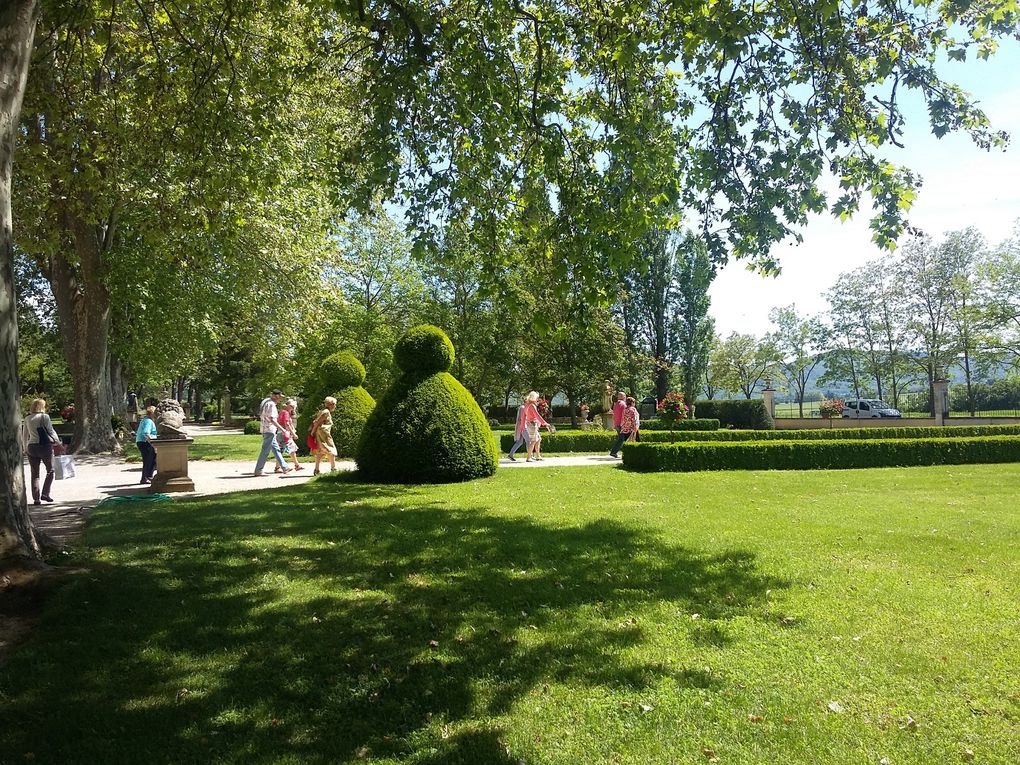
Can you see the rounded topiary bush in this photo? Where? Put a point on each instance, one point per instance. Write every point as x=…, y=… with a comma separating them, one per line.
x=340, y=376
x=253, y=427
x=427, y=428
x=340, y=370
x=424, y=350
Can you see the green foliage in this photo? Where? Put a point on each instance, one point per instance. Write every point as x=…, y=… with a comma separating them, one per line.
x=424, y=350
x=340, y=370
x=822, y=454
x=426, y=430
x=736, y=413
x=253, y=427
x=600, y=441
x=354, y=405
x=850, y=434
x=340, y=375
x=696, y=424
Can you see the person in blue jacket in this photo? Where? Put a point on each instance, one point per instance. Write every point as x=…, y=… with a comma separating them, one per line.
x=145, y=432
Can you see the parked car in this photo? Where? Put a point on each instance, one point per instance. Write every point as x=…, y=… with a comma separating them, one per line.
x=867, y=408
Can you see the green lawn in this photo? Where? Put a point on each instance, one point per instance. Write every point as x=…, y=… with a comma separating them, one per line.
x=543, y=616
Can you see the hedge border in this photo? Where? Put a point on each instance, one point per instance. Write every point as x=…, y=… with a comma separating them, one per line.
x=819, y=454
x=852, y=434
x=584, y=440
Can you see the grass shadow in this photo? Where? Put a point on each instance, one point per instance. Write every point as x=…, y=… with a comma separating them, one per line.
x=339, y=621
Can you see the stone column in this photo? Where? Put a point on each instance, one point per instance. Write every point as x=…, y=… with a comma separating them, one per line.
x=768, y=394
x=940, y=392
x=171, y=465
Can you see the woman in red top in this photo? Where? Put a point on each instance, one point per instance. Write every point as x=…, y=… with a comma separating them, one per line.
x=532, y=421
x=287, y=435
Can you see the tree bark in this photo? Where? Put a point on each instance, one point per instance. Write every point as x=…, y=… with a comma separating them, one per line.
x=83, y=308
x=17, y=538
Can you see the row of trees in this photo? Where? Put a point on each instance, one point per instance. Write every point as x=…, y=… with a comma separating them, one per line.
x=933, y=309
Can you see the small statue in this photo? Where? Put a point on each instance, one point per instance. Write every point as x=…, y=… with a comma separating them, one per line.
x=607, y=397
x=169, y=420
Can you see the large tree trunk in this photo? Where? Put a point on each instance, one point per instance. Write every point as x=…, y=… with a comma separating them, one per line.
x=83, y=307
x=118, y=388
x=17, y=539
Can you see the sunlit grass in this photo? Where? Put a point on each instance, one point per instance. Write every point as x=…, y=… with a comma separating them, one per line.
x=556, y=616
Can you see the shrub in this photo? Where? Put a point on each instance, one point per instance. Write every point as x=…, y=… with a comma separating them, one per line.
x=822, y=434
x=672, y=409
x=427, y=428
x=67, y=413
x=340, y=370
x=737, y=413
x=253, y=427
x=584, y=440
x=821, y=454
x=353, y=406
x=340, y=375
x=831, y=409
x=424, y=350
x=700, y=423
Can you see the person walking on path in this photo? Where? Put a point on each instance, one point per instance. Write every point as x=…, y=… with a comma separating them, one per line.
x=532, y=421
x=629, y=426
x=520, y=432
x=268, y=415
x=322, y=432
x=618, y=409
x=39, y=439
x=288, y=435
x=145, y=432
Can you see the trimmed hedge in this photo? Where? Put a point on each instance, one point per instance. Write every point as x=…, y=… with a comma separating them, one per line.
x=253, y=427
x=699, y=423
x=585, y=440
x=425, y=349
x=427, y=428
x=851, y=434
x=340, y=375
x=736, y=413
x=820, y=454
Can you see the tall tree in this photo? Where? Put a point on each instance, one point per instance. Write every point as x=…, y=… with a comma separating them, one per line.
x=158, y=141
x=928, y=275
x=801, y=345
x=696, y=329
x=741, y=362
x=17, y=30
x=999, y=288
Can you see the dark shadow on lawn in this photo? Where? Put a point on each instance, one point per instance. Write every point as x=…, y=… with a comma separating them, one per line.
x=415, y=615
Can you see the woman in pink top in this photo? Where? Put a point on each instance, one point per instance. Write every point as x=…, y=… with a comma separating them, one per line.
x=532, y=421
x=287, y=435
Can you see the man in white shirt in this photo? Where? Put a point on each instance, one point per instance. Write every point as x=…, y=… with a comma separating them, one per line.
x=269, y=426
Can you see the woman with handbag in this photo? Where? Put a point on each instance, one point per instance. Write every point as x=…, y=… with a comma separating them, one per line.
x=322, y=433
x=39, y=439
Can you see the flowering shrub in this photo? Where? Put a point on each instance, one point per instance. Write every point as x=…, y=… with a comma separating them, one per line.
x=67, y=413
x=830, y=409
x=543, y=408
x=672, y=408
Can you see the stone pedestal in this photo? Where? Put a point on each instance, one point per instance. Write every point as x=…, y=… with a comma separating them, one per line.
x=768, y=395
x=607, y=420
x=941, y=402
x=171, y=465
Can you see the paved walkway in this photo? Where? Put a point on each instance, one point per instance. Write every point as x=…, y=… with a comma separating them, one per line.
x=101, y=476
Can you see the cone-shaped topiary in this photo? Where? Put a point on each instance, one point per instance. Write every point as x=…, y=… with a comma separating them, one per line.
x=339, y=375
x=427, y=427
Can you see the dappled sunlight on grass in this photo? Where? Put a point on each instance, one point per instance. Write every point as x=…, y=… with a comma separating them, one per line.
x=505, y=619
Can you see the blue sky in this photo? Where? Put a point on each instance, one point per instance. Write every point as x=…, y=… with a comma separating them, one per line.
x=963, y=186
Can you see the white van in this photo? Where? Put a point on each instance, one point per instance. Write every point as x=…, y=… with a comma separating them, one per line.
x=867, y=408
